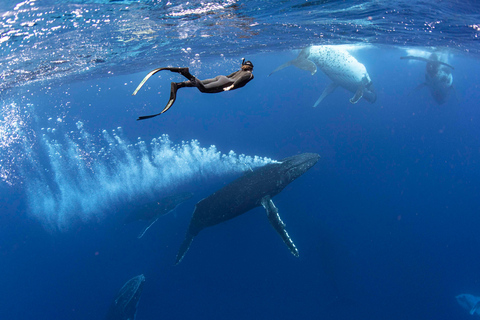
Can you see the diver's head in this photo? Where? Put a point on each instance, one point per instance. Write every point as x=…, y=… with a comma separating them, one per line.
x=247, y=65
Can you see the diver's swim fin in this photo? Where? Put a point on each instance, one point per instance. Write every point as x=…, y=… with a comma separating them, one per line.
x=151, y=73
x=173, y=97
x=148, y=117
x=183, y=71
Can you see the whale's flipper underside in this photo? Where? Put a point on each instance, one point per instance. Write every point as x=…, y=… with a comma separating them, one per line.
x=331, y=87
x=426, y=60
x=277, y=224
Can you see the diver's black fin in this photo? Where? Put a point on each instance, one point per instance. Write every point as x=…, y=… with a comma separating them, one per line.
x=148, y=117
x=151, y=73
x=173, y=97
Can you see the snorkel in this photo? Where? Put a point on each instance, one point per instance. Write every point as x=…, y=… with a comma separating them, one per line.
x=247, y=64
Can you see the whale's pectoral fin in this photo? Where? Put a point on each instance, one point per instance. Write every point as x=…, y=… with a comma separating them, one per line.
x=358, y=94
x=299, y=62
x=475, y=308
x=420, y=86
x=184, y=247
x=283, y=66
x=427, y=61
x=331, y=87
x=305, y=64
x=277, y=224
x=147, y=227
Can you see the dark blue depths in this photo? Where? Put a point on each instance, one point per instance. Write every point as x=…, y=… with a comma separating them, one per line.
x=385, y=223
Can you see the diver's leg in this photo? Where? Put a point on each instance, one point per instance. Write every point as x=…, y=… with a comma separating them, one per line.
x=213, y=85
x=183, y=71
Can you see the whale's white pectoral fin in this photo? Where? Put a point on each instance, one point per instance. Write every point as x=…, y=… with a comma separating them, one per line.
x=283, y=66
x=305, y=64
x=300, y=63
x=331, y=87
x=147, y=227
x=277, y=224
x=358, y=95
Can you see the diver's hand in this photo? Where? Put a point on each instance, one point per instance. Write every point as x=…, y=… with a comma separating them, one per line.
x=228, y=88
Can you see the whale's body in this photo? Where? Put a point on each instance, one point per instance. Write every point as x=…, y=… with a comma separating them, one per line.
x=254, y=189
x=469, y=302
x=438, y=77
x=340, y=66
x=124, y=306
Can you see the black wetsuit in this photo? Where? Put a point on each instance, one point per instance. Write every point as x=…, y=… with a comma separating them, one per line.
x=218, y=84
x=233, y=81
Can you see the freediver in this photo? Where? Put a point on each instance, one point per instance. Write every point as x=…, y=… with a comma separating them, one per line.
x=220, y=83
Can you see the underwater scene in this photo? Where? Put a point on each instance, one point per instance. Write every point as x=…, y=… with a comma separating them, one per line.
x=239, y=159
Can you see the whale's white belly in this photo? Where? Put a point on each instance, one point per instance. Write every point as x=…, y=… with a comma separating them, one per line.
x=340, y=66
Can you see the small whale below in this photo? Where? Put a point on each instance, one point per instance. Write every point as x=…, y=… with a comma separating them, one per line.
x=152, y=211
x=124, y=306
x=469, y=302
x=255, y=188
x=438, y=77
x=340, y=66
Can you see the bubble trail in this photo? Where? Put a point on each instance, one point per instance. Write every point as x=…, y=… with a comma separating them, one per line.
x=85, y=176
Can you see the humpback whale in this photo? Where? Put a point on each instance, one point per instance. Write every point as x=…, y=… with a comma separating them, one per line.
x=152, y=211
x=438, y=77
x=124, y=306
x=469, y=302
x=255, y=188
x=340, y=66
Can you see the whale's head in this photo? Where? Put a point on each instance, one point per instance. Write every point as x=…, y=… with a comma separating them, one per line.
x=369, y=92
x=293, y=167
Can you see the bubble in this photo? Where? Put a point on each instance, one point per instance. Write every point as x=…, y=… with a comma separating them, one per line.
x=81, y=184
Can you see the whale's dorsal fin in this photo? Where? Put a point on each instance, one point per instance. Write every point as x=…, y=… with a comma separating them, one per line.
x=426, y=60
x=331, y=87
x=277, y=224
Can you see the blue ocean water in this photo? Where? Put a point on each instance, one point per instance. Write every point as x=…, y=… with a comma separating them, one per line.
x=385, y=222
